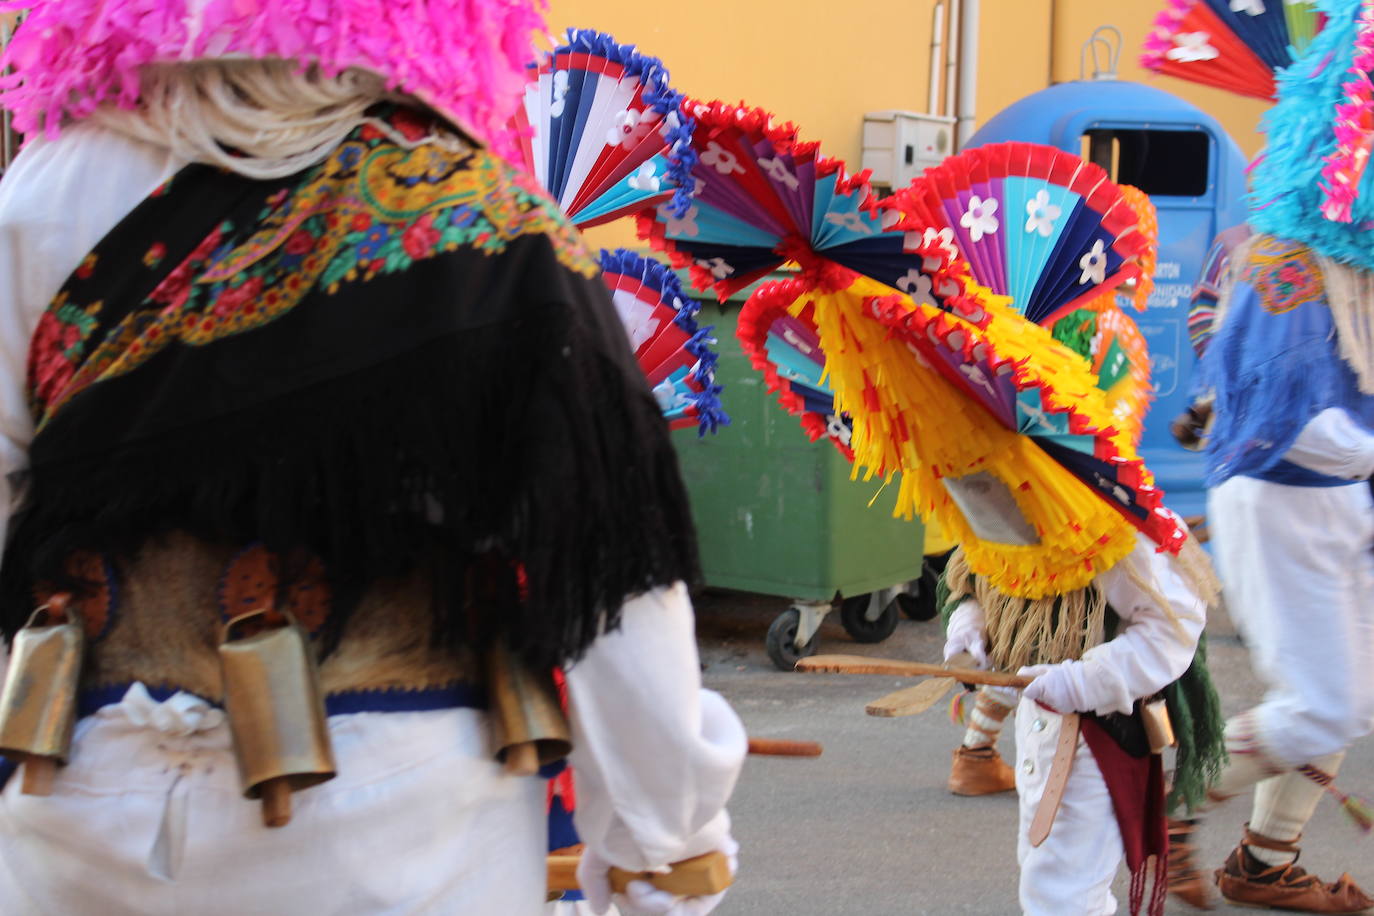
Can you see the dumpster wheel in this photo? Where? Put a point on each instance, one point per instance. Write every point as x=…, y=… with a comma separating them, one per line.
x=867, y=618
x=781, y=641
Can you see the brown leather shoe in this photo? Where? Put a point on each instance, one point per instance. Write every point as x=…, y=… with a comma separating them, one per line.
x=1185, y=881
x=980, y=771
x=1248, y=881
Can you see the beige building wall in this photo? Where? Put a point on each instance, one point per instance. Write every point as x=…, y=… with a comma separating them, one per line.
x=823, y=63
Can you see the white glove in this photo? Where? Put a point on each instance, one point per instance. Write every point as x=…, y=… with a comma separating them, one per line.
x=1078, y=686
x=641, y=898
x=1060, y=687
x=965, y=634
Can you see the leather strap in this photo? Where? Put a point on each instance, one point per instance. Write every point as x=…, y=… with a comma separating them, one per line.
x=1056, y=781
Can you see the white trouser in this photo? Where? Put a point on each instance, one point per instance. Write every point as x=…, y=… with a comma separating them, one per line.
x=145, y=821
x=1070, y=874
x=1298, y=565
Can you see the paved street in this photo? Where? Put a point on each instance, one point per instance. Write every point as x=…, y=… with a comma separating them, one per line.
x=868, y=828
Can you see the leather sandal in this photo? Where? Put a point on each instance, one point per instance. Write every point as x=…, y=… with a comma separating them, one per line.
x=1185, y=881
x=980, y=771
x=1246, y=880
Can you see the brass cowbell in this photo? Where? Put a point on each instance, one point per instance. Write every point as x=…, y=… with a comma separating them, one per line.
x=527, y=721
x=38, y=704
x=276, y=712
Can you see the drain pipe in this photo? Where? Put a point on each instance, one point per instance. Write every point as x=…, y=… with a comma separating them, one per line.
x=937, y=44
x=952, y=63
x=968, y=71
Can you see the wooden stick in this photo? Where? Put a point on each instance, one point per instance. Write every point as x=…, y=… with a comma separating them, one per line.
x=910, y=701
x=892, y=667
x=697, y=877
x=522, y=759
x=39, y=774
x=276, y=802
x=776, y=747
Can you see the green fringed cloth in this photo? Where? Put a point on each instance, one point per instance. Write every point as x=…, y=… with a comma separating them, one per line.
x=1194, y=707
x=401, y=358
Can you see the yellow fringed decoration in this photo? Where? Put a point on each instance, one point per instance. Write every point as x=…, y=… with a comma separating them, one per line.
x=907, y=418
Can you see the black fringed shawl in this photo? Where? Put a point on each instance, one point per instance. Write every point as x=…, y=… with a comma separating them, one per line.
x=400, y=356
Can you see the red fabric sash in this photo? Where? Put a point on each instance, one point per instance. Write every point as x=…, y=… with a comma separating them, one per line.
x=1136, y=785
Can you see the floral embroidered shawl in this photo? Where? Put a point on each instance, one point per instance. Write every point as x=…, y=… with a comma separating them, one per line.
x=403, y=355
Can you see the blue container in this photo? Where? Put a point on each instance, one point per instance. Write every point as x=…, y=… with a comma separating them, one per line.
x=1195, y=176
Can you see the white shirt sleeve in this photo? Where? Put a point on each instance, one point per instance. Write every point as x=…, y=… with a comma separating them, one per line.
x=1334, y=443
x=58, y=199
x=1151, y=651
x=655, y=756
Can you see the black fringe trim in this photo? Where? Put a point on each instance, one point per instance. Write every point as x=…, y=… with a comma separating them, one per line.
x=527, y=441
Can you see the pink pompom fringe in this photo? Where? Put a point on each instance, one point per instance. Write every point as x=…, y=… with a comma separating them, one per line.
x=466, y=58
x=1354, y=137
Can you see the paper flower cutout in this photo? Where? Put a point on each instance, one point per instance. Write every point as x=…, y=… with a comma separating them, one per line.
x=1094, y=264
x=981, y=217
x=721, y=159
x=646, y=179
x=851, y=221
x=1041, y=214
x=1190, y=47
x=717, y=266
x=679, y=226
x=630, y=128
x=778, y=171
x=918, y=286
x=560, y=93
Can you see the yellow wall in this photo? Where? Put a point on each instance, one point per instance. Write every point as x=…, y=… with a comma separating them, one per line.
x=823, y=63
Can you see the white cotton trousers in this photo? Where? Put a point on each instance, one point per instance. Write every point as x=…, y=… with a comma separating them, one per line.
x=1071, y=873
x=146, y=822
x=1298, y=565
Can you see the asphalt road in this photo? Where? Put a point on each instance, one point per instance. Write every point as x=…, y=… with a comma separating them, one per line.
x=868, y=828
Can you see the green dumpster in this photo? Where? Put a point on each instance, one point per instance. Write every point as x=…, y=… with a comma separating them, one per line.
x=778, y=515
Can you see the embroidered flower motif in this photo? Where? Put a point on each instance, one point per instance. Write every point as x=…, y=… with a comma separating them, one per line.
x=420, y=237
x=851, y=221
x=560, y=93
x=721, y=159
x=1094, y=264
x=1041, y=214
x=717, y=266
x=1191, y=47
x=684, y=226
x=87, y=266
x=981, y=217
x=233, y=299
x=154, y=255
x=360, y=222
x=778, y=171
x=300, y=242
x=918, y=286
x=1253, y=7
x=646, y=179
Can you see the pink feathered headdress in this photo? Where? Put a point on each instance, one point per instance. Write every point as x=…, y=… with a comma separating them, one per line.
x=466, y=58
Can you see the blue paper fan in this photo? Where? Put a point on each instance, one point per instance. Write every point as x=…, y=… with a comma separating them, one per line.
x=603, y=132
x=673, y=351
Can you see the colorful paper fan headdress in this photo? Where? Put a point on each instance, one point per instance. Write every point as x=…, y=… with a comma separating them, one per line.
x=764, y=199
x=602, y=130
x=466, y=58
x=999, y=432
x=1236, y=45
x=1308, y=185
x=672, y=350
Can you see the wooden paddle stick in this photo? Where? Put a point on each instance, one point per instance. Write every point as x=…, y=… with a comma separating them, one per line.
x=911, y=700
x=701, y=876
x=892, y=667
x=775, y=747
